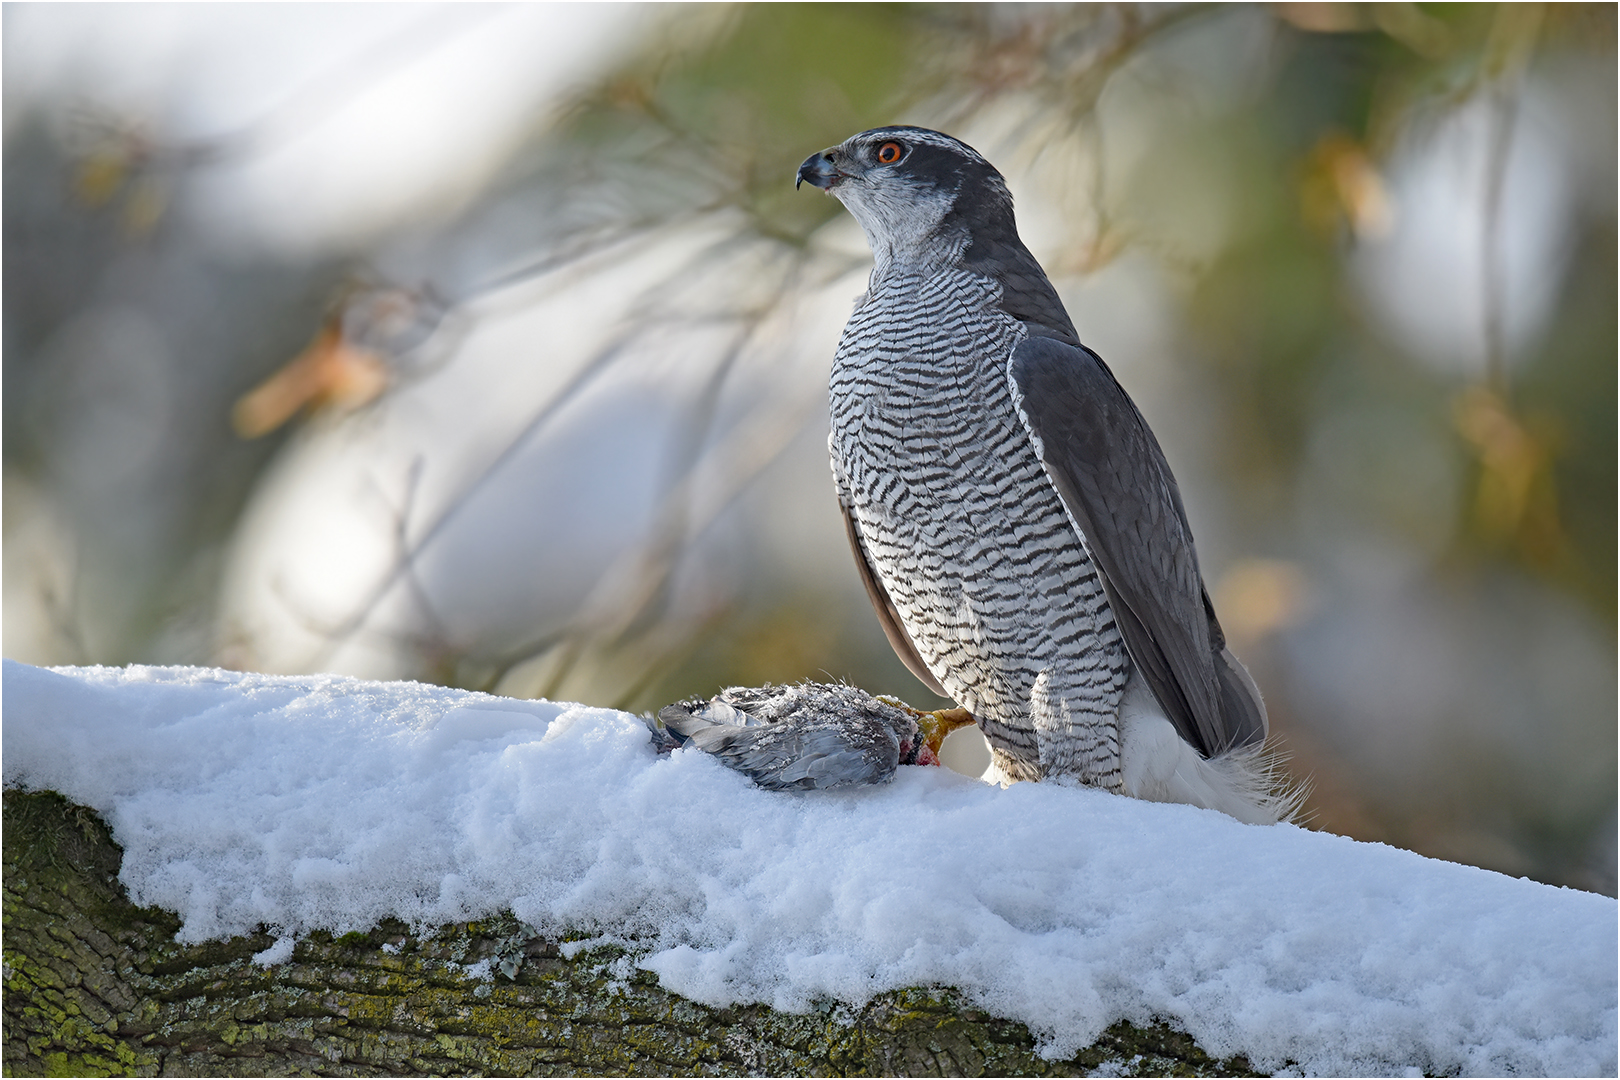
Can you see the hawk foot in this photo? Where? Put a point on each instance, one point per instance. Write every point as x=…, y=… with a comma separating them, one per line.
x=937, y=724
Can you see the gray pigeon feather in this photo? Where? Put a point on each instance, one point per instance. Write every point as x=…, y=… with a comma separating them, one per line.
x=801, y=737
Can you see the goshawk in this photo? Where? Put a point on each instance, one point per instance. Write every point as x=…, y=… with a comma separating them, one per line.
x=1014, y=520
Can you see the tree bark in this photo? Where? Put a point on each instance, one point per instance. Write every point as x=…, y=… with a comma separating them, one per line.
x=96, y=986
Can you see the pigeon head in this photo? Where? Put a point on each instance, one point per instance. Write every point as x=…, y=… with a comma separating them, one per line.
x=922, y=197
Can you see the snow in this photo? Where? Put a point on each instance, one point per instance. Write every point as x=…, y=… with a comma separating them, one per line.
x=326, y=802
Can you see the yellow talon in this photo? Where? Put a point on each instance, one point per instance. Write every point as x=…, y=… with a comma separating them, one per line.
x=933, y=725
x=940, y=723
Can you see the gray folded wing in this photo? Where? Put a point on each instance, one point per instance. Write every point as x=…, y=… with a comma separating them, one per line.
x=1111, y=474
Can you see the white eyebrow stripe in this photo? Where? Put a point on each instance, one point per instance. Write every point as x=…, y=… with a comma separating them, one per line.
x=923, y=136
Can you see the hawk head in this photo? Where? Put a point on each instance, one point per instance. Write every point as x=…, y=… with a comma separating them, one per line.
x=920, y=196
x=925, y=199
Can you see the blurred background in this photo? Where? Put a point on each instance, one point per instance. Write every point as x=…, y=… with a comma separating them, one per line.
x=488, y=346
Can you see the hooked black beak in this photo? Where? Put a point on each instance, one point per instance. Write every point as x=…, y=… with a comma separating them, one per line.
x=819, y=170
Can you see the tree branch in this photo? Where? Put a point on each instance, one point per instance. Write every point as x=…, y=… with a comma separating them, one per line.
x=97, y=986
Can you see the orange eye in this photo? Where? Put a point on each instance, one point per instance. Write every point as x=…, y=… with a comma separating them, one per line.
x=889, y=153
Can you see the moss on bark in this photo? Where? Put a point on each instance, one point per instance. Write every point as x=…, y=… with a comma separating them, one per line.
x=95, y=986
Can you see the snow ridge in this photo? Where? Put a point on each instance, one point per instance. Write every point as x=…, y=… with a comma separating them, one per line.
x=324, y=802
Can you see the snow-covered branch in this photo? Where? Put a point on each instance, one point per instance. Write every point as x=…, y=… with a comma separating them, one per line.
x=323, y=806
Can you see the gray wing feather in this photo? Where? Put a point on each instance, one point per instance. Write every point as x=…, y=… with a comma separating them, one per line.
x=821, y=759
x=1113, y=477
x=783, y=757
